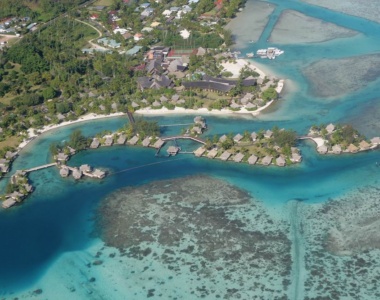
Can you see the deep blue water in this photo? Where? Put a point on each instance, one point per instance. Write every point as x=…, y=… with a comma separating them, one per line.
x=57, y=218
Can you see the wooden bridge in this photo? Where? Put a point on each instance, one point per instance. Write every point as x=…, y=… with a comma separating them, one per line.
x=40, y=167
x=178, y=137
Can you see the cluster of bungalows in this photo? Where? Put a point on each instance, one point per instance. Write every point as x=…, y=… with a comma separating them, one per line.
x=6, y=161
x=246, y=156
x=21, y=189
x=83, y=170
x=328, y=147
x=221, y=85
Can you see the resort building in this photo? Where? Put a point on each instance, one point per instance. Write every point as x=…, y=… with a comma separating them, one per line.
x=146, y=142
x=364, y=145
x=337, y=149
x=133, y=140
x=158, y=144
x=280, y=161
x=352, y=148
x=238, y=157
x=172, y=150
x=200, y=151
x=252, y=159
x=122, y=138
x=225, y=156
x=212, y=153
x=238, y=138
x=267, y=160
x=95, y=143
x=322, y=149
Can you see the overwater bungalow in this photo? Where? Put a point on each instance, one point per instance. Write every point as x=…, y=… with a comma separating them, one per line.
x=77, y=174
x=158, y=144
x=121, y=140
x=337, y=149
x=266, y=160
x=238, y=157
x=252, y=159
x=238, y=138
x=85, y=168
x=268, y=134
x=352, y=148
x=133, y=140
x=375, y=141
x=200, y=151
x=196, y=130
x=95, y=143
x=64, y=171
x=225, y=155
x=280, y=161
x=322, y=149
x=212, y=153
x=364, y=145
x=98, y=173
x=8, y=203
x=172, y=150
x=146, y=142
x=109, y=141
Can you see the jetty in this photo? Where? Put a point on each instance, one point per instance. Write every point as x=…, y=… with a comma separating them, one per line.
x=40, y=167
x=178, y=137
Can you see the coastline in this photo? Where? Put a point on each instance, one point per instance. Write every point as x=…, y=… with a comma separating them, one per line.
x=234, y=68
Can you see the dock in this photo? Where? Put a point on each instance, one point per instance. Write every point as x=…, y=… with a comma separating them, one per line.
x=178, y=137
x=40, y=167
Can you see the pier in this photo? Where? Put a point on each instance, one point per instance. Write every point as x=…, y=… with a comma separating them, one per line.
x=40, y=167
x=170, y=138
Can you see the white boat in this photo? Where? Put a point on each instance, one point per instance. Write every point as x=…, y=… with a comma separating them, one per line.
x=250, y=54
x=270, y=52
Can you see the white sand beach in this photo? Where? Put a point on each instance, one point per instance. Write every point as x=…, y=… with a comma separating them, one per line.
x=33, y=132
x=235, y=67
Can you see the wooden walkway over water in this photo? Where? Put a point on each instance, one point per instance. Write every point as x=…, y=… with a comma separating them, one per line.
x=178, y=137
x=40, y=167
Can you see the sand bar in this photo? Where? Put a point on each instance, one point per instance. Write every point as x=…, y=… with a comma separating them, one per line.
x=294, y=27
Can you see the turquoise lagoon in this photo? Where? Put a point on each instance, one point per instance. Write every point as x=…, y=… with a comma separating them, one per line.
x=51, y=243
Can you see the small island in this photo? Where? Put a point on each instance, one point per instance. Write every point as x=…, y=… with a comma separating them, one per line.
x=337, y=139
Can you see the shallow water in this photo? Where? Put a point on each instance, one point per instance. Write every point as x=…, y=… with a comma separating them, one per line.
x=49, y=241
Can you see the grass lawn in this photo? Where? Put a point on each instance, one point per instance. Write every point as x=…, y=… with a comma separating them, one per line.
x=103, y=2
x=12, y=141
x=7, y=98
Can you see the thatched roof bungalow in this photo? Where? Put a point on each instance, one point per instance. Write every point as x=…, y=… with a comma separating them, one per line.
x=352, y=148
x=222, y=138
x=172, y=150
x=330, y=128
x=8, y=203
x=254, y=136
x=268, y=134
x=238, y=138
x=77, y=174
x=252, y=159
x=322, y=149
x=337, y=149
x=266, y=161
x=364, y=145
x=109, y=141
x=225, y=155
x=121, y=139
x=296, y=158
x=212, y=153
x=64, y=171
x=375, y=141
x=62, y=157
x=238, y=157
x=133, y=140
x=200, y=151
x=280, y=161
x=158, y=144
x=146, y=142
x=95, y=143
